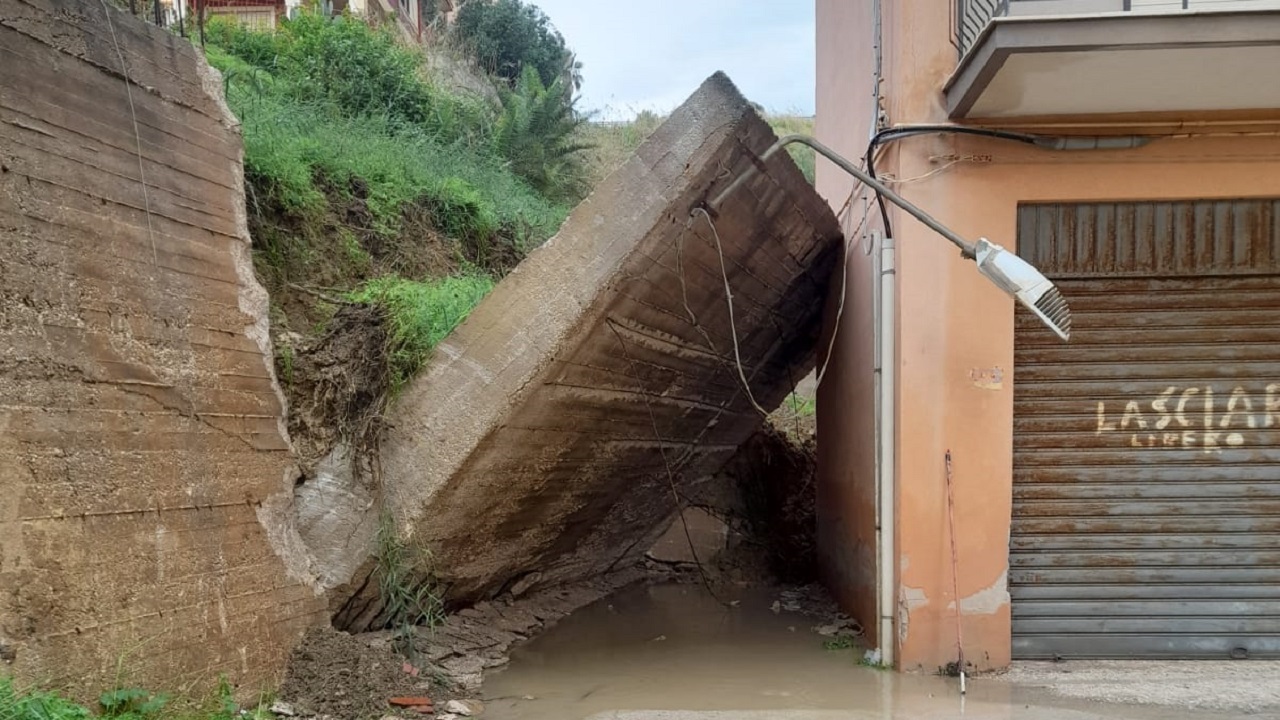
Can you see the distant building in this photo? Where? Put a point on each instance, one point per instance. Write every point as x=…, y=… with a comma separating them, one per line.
x=256, y=14
x=416, y=19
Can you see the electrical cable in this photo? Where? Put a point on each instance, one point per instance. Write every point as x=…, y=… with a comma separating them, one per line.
x=137, y=134
x=894, y=134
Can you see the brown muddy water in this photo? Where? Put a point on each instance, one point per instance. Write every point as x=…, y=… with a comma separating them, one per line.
x=671, y=652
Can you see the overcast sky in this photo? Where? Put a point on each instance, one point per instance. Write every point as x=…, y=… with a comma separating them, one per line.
x=652, y=55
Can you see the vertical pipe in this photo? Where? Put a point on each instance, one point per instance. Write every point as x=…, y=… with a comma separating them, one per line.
x=887, y=493
x=877, y=389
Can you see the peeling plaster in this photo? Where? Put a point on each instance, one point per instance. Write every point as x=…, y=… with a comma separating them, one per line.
x=987, y=601
x=909, y=599
x=987, y=378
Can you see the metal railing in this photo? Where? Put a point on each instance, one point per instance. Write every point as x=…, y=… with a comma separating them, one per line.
x=971, y=17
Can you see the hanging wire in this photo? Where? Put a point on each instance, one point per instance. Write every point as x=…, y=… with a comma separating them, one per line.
x=137, y=135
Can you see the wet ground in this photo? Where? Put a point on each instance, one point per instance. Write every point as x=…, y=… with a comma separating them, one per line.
x=673, y=653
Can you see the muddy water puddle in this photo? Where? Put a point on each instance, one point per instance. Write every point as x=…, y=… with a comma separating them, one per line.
x=671, y=652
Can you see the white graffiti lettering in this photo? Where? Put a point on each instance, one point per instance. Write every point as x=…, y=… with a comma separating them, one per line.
x=1163, y=427
x=1160, y=406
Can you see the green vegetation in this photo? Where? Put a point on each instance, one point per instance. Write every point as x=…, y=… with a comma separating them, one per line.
x=508, y=36
x=123, y=704
x=420, y=315
x=405, y=585
x=537, y=135
x=802, y=406
x=609, y=144
x=840, y=642
x=131, y=704
x=37, y=705
x=316, y=123
x=791, y=125
x=874, y=664
x=369, y=182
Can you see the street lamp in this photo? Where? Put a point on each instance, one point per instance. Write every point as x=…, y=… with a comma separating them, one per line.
x=1007, y=271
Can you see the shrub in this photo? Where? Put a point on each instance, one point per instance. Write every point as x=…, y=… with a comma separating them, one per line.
x=36, y=705
x=360, y=69
x=259, y=49
x=288, y=144
x=506, y=36
x=131, y=704
x=420, y=315
x=355, y=69
x=537, y=135
x=297, y=131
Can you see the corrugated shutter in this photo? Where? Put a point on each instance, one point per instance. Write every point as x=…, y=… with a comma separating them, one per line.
x=1146, y=493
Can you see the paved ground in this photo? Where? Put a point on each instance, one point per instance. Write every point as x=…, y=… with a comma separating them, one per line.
x=1251, y=687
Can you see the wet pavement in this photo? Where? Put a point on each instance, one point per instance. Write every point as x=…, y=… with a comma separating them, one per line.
x=674, y=653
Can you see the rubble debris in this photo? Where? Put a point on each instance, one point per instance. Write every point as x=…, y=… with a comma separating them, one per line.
x=409, y=701
x=465, y=708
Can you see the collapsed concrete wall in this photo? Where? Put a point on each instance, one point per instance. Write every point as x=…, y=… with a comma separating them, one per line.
x=543, y=442
x=146, y=480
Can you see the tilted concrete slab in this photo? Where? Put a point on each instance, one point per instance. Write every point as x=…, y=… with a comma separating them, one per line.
x=547, y=432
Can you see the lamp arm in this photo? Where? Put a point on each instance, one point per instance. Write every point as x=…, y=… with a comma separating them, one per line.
x=966, y=248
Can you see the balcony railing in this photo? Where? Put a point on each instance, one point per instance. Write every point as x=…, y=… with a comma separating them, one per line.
x=972, y=16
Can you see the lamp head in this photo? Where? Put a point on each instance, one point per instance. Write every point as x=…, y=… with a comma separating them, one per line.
x=1020, y=279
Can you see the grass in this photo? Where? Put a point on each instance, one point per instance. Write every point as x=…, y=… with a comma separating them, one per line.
x=613, y=142
x=405, y=585
x=802, y=406
x=124, y=704
x=360, y=171
x=37, y=705
x=796, y=125
x=420, y=314
x=290, y=144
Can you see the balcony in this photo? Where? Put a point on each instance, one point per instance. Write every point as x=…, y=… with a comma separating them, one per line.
x=1025, y=61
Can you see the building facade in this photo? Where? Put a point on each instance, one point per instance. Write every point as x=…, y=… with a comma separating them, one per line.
x=254, y=14
x=1117, y=495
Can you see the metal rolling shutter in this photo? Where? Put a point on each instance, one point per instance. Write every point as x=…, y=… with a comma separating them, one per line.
x=1146, y=490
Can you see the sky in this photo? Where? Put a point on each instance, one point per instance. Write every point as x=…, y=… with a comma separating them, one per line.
x=652, y=55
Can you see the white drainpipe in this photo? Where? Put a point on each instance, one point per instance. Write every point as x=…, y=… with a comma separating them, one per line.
x=884, y=269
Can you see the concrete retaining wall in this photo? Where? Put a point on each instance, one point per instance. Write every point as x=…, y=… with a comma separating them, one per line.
x=146, y=479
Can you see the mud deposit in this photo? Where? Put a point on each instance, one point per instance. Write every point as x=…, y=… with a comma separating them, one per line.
x=333, y=674
x=343, y=676
x=675, y=646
